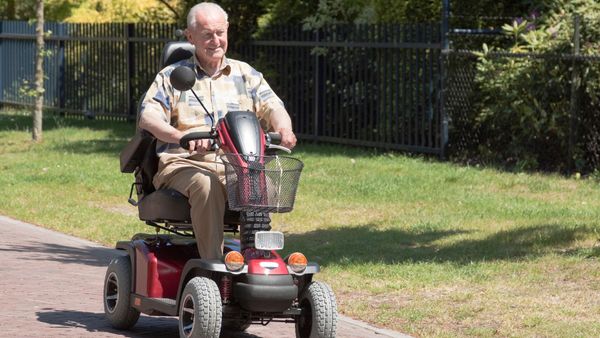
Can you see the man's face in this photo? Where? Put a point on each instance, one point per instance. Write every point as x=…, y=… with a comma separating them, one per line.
x=209, y=36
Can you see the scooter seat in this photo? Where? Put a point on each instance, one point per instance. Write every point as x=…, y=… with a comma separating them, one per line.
x=168, y=205
x=165, y=205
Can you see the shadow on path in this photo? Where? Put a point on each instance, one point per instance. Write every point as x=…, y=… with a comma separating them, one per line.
x=95, y=322
x=93, y=256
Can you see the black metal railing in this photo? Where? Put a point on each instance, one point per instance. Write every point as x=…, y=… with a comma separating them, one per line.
x=373, y=85
x=569, y=138
x=92, y=69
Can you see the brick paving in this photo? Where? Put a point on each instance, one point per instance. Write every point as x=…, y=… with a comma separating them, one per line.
x=51, y=286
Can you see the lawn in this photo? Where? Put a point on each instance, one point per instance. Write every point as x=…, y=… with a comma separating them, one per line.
x=428, y=248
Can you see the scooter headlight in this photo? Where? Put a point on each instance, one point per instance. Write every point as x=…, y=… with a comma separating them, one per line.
x=297, y=262
x=234, y=261
x=268, y=240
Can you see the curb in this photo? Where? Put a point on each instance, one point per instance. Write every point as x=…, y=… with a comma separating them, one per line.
x=383, y=332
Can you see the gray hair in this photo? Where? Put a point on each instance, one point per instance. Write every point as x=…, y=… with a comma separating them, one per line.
x=204, y=7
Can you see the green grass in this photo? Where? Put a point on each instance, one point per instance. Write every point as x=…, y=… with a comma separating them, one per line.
x=408, y=243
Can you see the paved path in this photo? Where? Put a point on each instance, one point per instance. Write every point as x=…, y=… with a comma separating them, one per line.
x=51, y=286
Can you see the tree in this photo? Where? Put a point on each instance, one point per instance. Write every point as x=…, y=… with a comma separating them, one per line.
x=39, y=71
x=83, y=11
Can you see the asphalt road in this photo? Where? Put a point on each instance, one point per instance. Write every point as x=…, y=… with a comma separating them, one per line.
x=51, y=286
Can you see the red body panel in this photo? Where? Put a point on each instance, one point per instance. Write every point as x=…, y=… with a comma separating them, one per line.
x=159, y=266
x=255, y=267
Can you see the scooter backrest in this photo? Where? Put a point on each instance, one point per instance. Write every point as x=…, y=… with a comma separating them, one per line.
x=135, y=151
x=176, y=51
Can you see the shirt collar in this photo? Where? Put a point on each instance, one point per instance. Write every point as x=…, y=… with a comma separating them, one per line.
x=224, y=70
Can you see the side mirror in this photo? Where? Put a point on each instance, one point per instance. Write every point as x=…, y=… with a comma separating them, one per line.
x=183, y=78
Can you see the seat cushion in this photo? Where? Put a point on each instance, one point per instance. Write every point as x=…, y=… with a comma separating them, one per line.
x=165, y=205
x=168, y=205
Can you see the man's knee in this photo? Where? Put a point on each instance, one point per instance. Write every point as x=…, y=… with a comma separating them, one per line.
x=205, y=185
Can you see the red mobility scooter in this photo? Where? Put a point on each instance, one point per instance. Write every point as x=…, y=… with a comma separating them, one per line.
x=161, y=274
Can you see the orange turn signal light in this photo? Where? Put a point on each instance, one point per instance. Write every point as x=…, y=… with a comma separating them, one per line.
x=297, y=262
x=234, y=261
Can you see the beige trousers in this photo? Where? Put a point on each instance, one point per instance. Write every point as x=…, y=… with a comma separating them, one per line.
x=201, y=180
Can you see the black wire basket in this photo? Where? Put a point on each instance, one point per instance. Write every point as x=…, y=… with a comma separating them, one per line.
x=261, y=183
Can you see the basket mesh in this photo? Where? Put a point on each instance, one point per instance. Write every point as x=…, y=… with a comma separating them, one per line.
x=261, y=183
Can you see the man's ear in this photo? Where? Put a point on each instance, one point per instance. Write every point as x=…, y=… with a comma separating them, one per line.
x=187, y=34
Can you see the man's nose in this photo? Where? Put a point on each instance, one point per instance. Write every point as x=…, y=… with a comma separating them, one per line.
x=214, y=38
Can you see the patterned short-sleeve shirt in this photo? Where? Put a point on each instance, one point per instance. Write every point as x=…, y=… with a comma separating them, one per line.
x=236, y=86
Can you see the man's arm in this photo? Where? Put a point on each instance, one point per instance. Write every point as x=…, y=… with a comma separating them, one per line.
x=167, y=133
x=156, y=112
x=281, y=123
x=160, y=129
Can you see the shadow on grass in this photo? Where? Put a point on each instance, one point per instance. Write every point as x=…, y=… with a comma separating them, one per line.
x=363, y=244
x=99, y=146
x=119, y=132
x=117, y=129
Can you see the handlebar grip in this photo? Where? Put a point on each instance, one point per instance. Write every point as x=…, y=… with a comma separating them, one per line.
x=197, y=135
x=275, y=138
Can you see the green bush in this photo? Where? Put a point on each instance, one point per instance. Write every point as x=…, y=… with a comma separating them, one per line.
x=523, y=110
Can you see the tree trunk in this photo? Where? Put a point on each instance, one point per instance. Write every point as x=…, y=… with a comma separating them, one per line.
x=39, y=71
x=10, y=10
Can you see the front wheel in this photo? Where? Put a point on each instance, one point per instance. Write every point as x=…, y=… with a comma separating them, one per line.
x=319, y=312
x=117, y=293
x=200, y=310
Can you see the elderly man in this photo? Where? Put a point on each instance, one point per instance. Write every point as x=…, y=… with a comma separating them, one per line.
x=222, y=85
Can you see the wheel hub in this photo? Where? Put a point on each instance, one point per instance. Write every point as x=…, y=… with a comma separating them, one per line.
x=111, y=296
x=188, y=310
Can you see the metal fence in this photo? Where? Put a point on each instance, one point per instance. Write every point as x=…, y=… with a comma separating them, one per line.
x=92, y=69
x=572, y=145
x=371, y=85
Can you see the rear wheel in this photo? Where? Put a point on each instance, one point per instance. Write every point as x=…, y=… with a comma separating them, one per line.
x=200, y=310
x=117, y=294
x=319, y=312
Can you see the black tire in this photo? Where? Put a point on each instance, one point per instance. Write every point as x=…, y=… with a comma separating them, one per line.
x=200, y=309
x=117, y=294
x=319, y=312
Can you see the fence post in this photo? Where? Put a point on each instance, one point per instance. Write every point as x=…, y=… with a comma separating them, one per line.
x=445, y=53
x=1, y=66
x=317, y=87
x=575, y=85
x=130, y=58
x=62, y=32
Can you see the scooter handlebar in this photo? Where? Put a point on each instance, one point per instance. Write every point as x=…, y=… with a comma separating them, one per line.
x=275, y=137
x=196, y=135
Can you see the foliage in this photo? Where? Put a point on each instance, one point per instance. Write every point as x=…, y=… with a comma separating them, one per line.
x=287, y=12
x=523, y=111
x=121, y=11
x=366, y=11
x=92, y=10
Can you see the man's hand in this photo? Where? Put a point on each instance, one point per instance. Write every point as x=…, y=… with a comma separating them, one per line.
x=288, y=138
x=200, y=146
